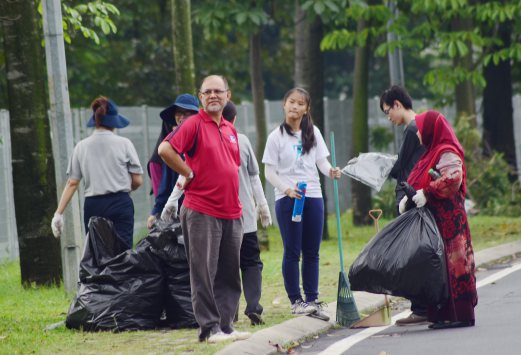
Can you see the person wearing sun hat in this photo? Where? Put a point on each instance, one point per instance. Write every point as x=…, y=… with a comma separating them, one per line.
x=163, y=178
x=110, y=169
x=184, y=103
x=111, y=118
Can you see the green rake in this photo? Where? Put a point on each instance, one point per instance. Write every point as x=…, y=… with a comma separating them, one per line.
x=346, y=310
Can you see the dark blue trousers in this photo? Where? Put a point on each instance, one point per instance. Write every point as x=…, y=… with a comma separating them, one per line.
x=118, y=207
x=301, y=238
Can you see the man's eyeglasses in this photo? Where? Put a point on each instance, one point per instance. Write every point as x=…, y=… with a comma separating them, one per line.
x=388, y=110
x=214, y=91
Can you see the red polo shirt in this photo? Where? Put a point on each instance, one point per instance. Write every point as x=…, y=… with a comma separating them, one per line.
x=215, y=188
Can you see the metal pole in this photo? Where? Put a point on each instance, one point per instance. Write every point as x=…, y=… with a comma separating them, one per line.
x=146, y=149
x=395, y=69
x=62, y=137
x=12, y=231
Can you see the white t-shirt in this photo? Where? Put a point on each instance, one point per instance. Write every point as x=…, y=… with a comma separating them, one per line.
x=285, y=153
x=105, y=161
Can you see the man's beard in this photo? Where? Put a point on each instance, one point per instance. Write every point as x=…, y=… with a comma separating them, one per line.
x=214, y=107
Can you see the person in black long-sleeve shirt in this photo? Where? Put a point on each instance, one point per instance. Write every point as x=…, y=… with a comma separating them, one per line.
x=397, y=105
x=410, y=151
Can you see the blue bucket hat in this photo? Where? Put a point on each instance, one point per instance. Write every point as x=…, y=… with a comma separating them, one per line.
x=111, y=119
x=185, y=101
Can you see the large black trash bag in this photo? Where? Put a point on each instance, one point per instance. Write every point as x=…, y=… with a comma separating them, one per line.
x=167, y=244
x=122, y=292
x=101, y=245
x=406, y=258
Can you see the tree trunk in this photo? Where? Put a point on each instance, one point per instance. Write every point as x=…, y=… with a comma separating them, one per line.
x=360, y=132
x=183, y=49
x=302, y=49
x=465, y=94
x=498, y=126
x=309, y=74
x=257, y=88
x=32, y=160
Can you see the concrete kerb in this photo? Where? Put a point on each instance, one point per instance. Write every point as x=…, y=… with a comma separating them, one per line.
x=296, y=330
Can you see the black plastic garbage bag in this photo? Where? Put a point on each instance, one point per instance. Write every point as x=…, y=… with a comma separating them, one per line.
x=122, y=292
x=167, y=244
x=406, y=258
x=102, y=243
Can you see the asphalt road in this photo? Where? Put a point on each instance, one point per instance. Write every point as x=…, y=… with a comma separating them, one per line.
x=497, y=330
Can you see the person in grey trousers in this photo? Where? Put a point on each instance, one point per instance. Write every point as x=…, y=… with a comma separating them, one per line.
x=211, y=214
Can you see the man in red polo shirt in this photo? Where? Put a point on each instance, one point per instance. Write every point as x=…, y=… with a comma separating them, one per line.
x=211, y=215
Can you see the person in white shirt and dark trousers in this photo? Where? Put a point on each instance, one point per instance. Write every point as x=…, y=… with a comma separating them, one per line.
x=293, y=152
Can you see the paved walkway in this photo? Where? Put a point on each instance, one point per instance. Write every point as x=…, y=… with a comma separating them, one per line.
x=299, y=328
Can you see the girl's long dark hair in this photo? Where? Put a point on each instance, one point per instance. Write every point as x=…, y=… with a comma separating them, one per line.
x=165, y=130
x=306, y=125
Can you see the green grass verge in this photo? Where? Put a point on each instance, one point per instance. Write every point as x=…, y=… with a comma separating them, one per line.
x=26, y=312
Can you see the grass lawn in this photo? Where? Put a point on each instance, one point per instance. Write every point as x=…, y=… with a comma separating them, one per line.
x=25, y=313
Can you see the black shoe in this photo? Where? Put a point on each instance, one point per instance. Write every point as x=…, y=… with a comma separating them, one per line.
x=255, y=318
x=456, y=324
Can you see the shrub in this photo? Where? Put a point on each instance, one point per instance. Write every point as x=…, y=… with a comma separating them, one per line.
x=381, y=138
x=386, y=199
x=488, y=183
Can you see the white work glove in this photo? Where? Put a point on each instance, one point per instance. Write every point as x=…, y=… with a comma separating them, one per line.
x=419, y=199
x=401, y=205
x=263, y=211
x=151, y=220
x=169, y=212
x=57, y=224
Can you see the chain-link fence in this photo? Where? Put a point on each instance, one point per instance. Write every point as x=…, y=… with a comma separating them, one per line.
x=144, y=130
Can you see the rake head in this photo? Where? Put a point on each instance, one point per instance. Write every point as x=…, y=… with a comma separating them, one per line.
x=346, y=310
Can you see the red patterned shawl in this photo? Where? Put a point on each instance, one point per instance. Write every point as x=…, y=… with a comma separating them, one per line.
x=437, y=137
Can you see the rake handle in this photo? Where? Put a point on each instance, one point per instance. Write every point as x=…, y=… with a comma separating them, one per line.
x=337, y=203
x=375, y=215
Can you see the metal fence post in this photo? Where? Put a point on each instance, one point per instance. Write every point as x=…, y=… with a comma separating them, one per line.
x=12, y=231
x=62, y=136
x=146, y=150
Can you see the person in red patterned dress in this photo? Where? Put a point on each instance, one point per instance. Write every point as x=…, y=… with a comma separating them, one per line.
x=445, y=198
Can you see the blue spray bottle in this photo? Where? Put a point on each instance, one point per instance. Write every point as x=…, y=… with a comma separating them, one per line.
x=298, y=207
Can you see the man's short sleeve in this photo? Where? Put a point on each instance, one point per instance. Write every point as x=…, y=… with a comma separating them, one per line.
x=182, y=139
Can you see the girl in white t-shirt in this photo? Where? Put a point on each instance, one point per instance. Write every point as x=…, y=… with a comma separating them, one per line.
x=292, y=154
